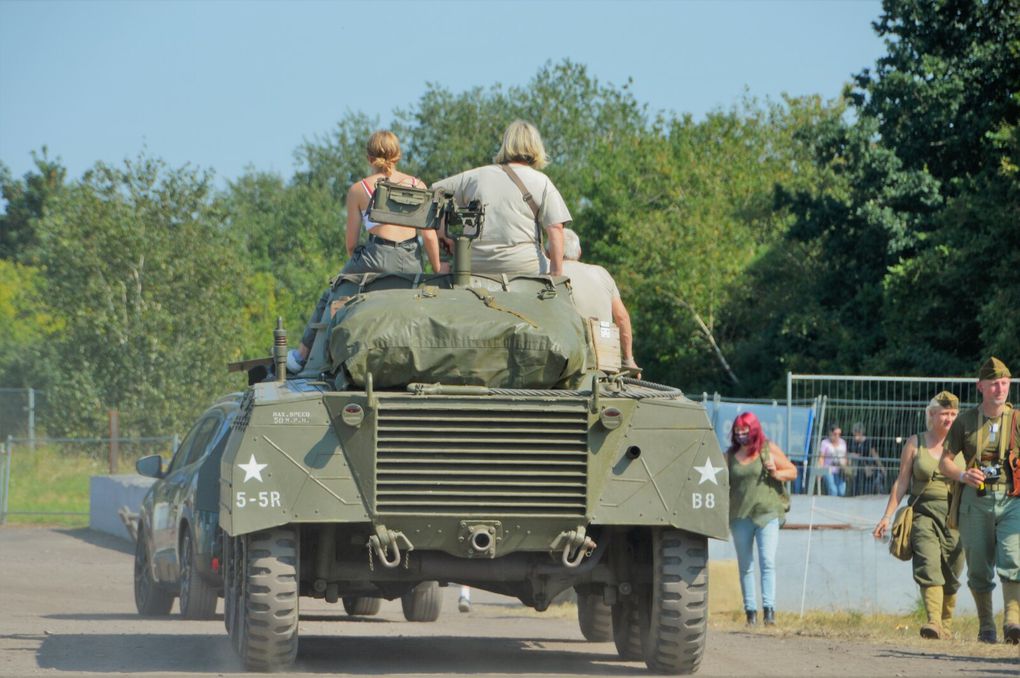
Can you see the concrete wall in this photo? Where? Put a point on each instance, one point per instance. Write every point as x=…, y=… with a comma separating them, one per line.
x=107, y=494
x=846, y=568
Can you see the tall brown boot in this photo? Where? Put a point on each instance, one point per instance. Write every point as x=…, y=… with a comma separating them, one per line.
x=948, y=607
x=1011, y=616
x=932, y=596
x=986, y=616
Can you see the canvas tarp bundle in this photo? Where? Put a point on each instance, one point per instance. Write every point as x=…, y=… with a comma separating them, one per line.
x=462, y=336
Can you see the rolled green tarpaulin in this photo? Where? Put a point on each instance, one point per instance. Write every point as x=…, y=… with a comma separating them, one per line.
x=528, y=337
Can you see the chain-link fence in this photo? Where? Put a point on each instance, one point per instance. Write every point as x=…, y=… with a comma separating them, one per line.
x=21, y=410
x=875, y=416
x=30, y=463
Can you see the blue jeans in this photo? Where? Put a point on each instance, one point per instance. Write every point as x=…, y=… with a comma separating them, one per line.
x=745, y=534
x=835, y=485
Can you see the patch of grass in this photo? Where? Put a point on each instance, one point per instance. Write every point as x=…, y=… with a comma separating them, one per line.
x=879, y=628
x=47, y=481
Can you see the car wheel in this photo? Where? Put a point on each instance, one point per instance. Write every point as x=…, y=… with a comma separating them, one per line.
x=151, y=599
x=265, y=611
x=362, y=606
x=677, y=622
x=594, y=617
x=423, y=603
x=197, y=596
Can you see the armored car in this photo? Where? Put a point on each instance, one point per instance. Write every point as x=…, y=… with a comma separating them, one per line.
x=465, y=428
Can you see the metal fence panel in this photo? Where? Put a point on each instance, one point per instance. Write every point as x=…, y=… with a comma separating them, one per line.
x=5, y=478
x=887, y=410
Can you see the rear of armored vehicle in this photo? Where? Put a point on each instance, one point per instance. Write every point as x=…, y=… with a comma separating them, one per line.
x=455, y=433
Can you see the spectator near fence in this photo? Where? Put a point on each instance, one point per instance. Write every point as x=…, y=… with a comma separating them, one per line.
x=864, y=464
x=832, y=459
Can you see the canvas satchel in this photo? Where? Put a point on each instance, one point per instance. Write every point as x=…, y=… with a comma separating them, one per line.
x=899, y=533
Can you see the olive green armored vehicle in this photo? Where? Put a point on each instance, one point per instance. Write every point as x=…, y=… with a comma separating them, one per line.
x=462, y=428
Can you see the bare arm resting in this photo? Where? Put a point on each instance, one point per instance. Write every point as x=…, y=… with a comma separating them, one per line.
x=899, y=488
x=622, y=318
x=555, y=234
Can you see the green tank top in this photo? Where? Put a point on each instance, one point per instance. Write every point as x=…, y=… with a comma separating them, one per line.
x=924, y=467
x=750, y=495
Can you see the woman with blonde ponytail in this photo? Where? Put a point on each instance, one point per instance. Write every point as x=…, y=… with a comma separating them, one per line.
x=389, y=248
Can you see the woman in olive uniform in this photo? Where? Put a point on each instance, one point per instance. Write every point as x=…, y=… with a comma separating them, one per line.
x=757, y=470
x=938, y=556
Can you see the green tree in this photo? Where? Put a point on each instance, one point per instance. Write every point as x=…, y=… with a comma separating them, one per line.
x=26, y=201
x=27, y=322
x=147, y=285
x=292, y=239
x=903, y=257
x=678, y=212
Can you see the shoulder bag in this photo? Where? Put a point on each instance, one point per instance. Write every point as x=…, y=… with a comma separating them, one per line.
x=779, y=485
x=899, y=533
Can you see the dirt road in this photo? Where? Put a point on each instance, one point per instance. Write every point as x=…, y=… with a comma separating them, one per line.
x=66, y=608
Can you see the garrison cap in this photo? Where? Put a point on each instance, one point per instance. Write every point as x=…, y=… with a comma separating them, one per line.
x=993, y=369
x=947, y=400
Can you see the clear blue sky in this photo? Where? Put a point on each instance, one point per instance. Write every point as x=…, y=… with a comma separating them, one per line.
x=224, y=85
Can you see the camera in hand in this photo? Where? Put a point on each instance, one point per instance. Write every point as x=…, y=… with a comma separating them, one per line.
x=992, y=473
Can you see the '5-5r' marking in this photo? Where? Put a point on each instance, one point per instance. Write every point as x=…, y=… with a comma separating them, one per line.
x=265, y=499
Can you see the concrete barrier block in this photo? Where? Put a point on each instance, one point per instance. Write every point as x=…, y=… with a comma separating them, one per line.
x=107, y=494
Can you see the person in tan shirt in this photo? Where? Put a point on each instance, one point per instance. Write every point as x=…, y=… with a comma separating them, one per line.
x=596, y=295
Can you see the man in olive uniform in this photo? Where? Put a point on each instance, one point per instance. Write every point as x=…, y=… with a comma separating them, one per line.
x=989, y=519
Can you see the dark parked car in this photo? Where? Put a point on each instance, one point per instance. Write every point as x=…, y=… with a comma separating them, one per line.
x=177, y=553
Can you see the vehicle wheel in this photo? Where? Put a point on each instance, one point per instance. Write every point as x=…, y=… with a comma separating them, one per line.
x=264, y=582
x=362, y=606
x=229, y=586
x=678, y=619
x=151, y=599
x=627, y=630
x=197, y=597
x=594, y=617
x=422, y=603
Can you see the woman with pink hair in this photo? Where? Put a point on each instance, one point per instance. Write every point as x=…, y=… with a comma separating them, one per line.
x=758, y=468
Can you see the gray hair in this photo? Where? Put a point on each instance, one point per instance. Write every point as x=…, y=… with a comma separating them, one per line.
x=571, y=245
x=522, y=143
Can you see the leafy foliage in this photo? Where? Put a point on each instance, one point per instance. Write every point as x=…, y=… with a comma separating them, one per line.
x=908, y=247
x=877, y=233
x=134, y=262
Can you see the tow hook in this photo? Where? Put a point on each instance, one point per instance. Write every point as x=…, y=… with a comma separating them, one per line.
x=576, y=546
x=386, y=542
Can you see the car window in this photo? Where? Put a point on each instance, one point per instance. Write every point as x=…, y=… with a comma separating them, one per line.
x=206, y=429
x=195, y=442
x=220, y=440
x=184, y=448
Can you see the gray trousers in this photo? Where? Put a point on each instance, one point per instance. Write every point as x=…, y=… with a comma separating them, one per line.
x=373, y=257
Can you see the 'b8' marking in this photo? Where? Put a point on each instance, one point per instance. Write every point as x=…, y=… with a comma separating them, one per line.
x=699, y=500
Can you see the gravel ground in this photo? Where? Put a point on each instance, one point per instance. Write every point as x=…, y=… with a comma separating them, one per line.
x=68, y=609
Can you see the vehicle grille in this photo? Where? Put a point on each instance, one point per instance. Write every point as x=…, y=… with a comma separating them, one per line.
x=511, y=458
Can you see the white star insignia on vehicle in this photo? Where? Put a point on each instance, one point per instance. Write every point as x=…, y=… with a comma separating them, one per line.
x=708, y=472
x=252, y=469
